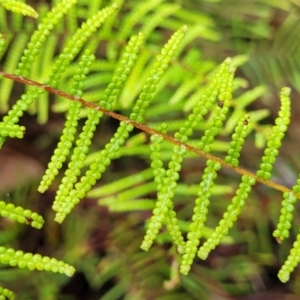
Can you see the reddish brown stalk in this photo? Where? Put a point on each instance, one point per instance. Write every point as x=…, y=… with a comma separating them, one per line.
x=146, y=129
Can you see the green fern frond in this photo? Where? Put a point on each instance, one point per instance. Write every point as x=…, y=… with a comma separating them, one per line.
x=291, y=262
x=136, y=14
x=121, y=184
x=244, y=189
x=67, y=137
x=229, y=217
x=31, y=261
x=33, y=49
x=286, y=216
x=39, y=37
x=10, y=65
x=238, y=139
x=110, y=94
x=19, y=7
x=6, y=294
x=104, y=159
x=199, y=216
x=8, y=210
x=168, y=183
x=11, y=130
x=276, y=136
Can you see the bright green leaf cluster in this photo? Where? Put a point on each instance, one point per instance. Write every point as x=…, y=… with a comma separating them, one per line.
x=124, y=183
x=163, y=211
x=276, y=136
x=94, y=173
x=229, y=217
x=6, y=294
x=19, y=7
x=220, y=112
x=63, y=148
x=8, y=210
x=155, y=156
x=286, y=213
x=31, y=261
x=11, y=130
x=286, y=216
x=82, y=144
x=158, y=68
x=139, y=10
x=199, y=216
x=205, y=102
x=77, y=41
x=17, y=111
x=33, y=49
x=291, y=262
x=103, y=160
x=237, y=142
x=39, y=36
x=165, y=180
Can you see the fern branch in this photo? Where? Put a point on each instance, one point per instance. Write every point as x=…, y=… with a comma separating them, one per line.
x=8, y=210
x=34, y=261
x=148, y=130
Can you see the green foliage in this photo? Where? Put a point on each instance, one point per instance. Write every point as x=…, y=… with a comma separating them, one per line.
x=19, y=7
x=276, y=136
x=67, y=137
x=6, y=294
x=32, y=262
x=195, y=116
x=291, y=262
x=8, y=210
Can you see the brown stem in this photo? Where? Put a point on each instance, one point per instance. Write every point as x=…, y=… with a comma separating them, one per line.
x=146, y=129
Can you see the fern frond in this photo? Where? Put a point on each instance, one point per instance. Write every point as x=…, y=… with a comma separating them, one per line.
x=245, y=186
x=136, y=13
x=165, y=10
x=67, y=137
x=33, y=49
x=11, y=61
x=219, y=113
x=110, y=94
x=77, y=41
x=69, y=52
x=19, y=7
x=6, y=294
x=238, y=139
x=169, y=182
x=199, y=216
x=11, y=130
x=100, y=164
x=276, y=136
x=39, y=37
x=229, y=217
x=134, y=192
x=291, y=262
x=121, y=184
x=164, y=207
x=286, y=216
x=31, y=261
x=19, y=214
x=41, y=69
